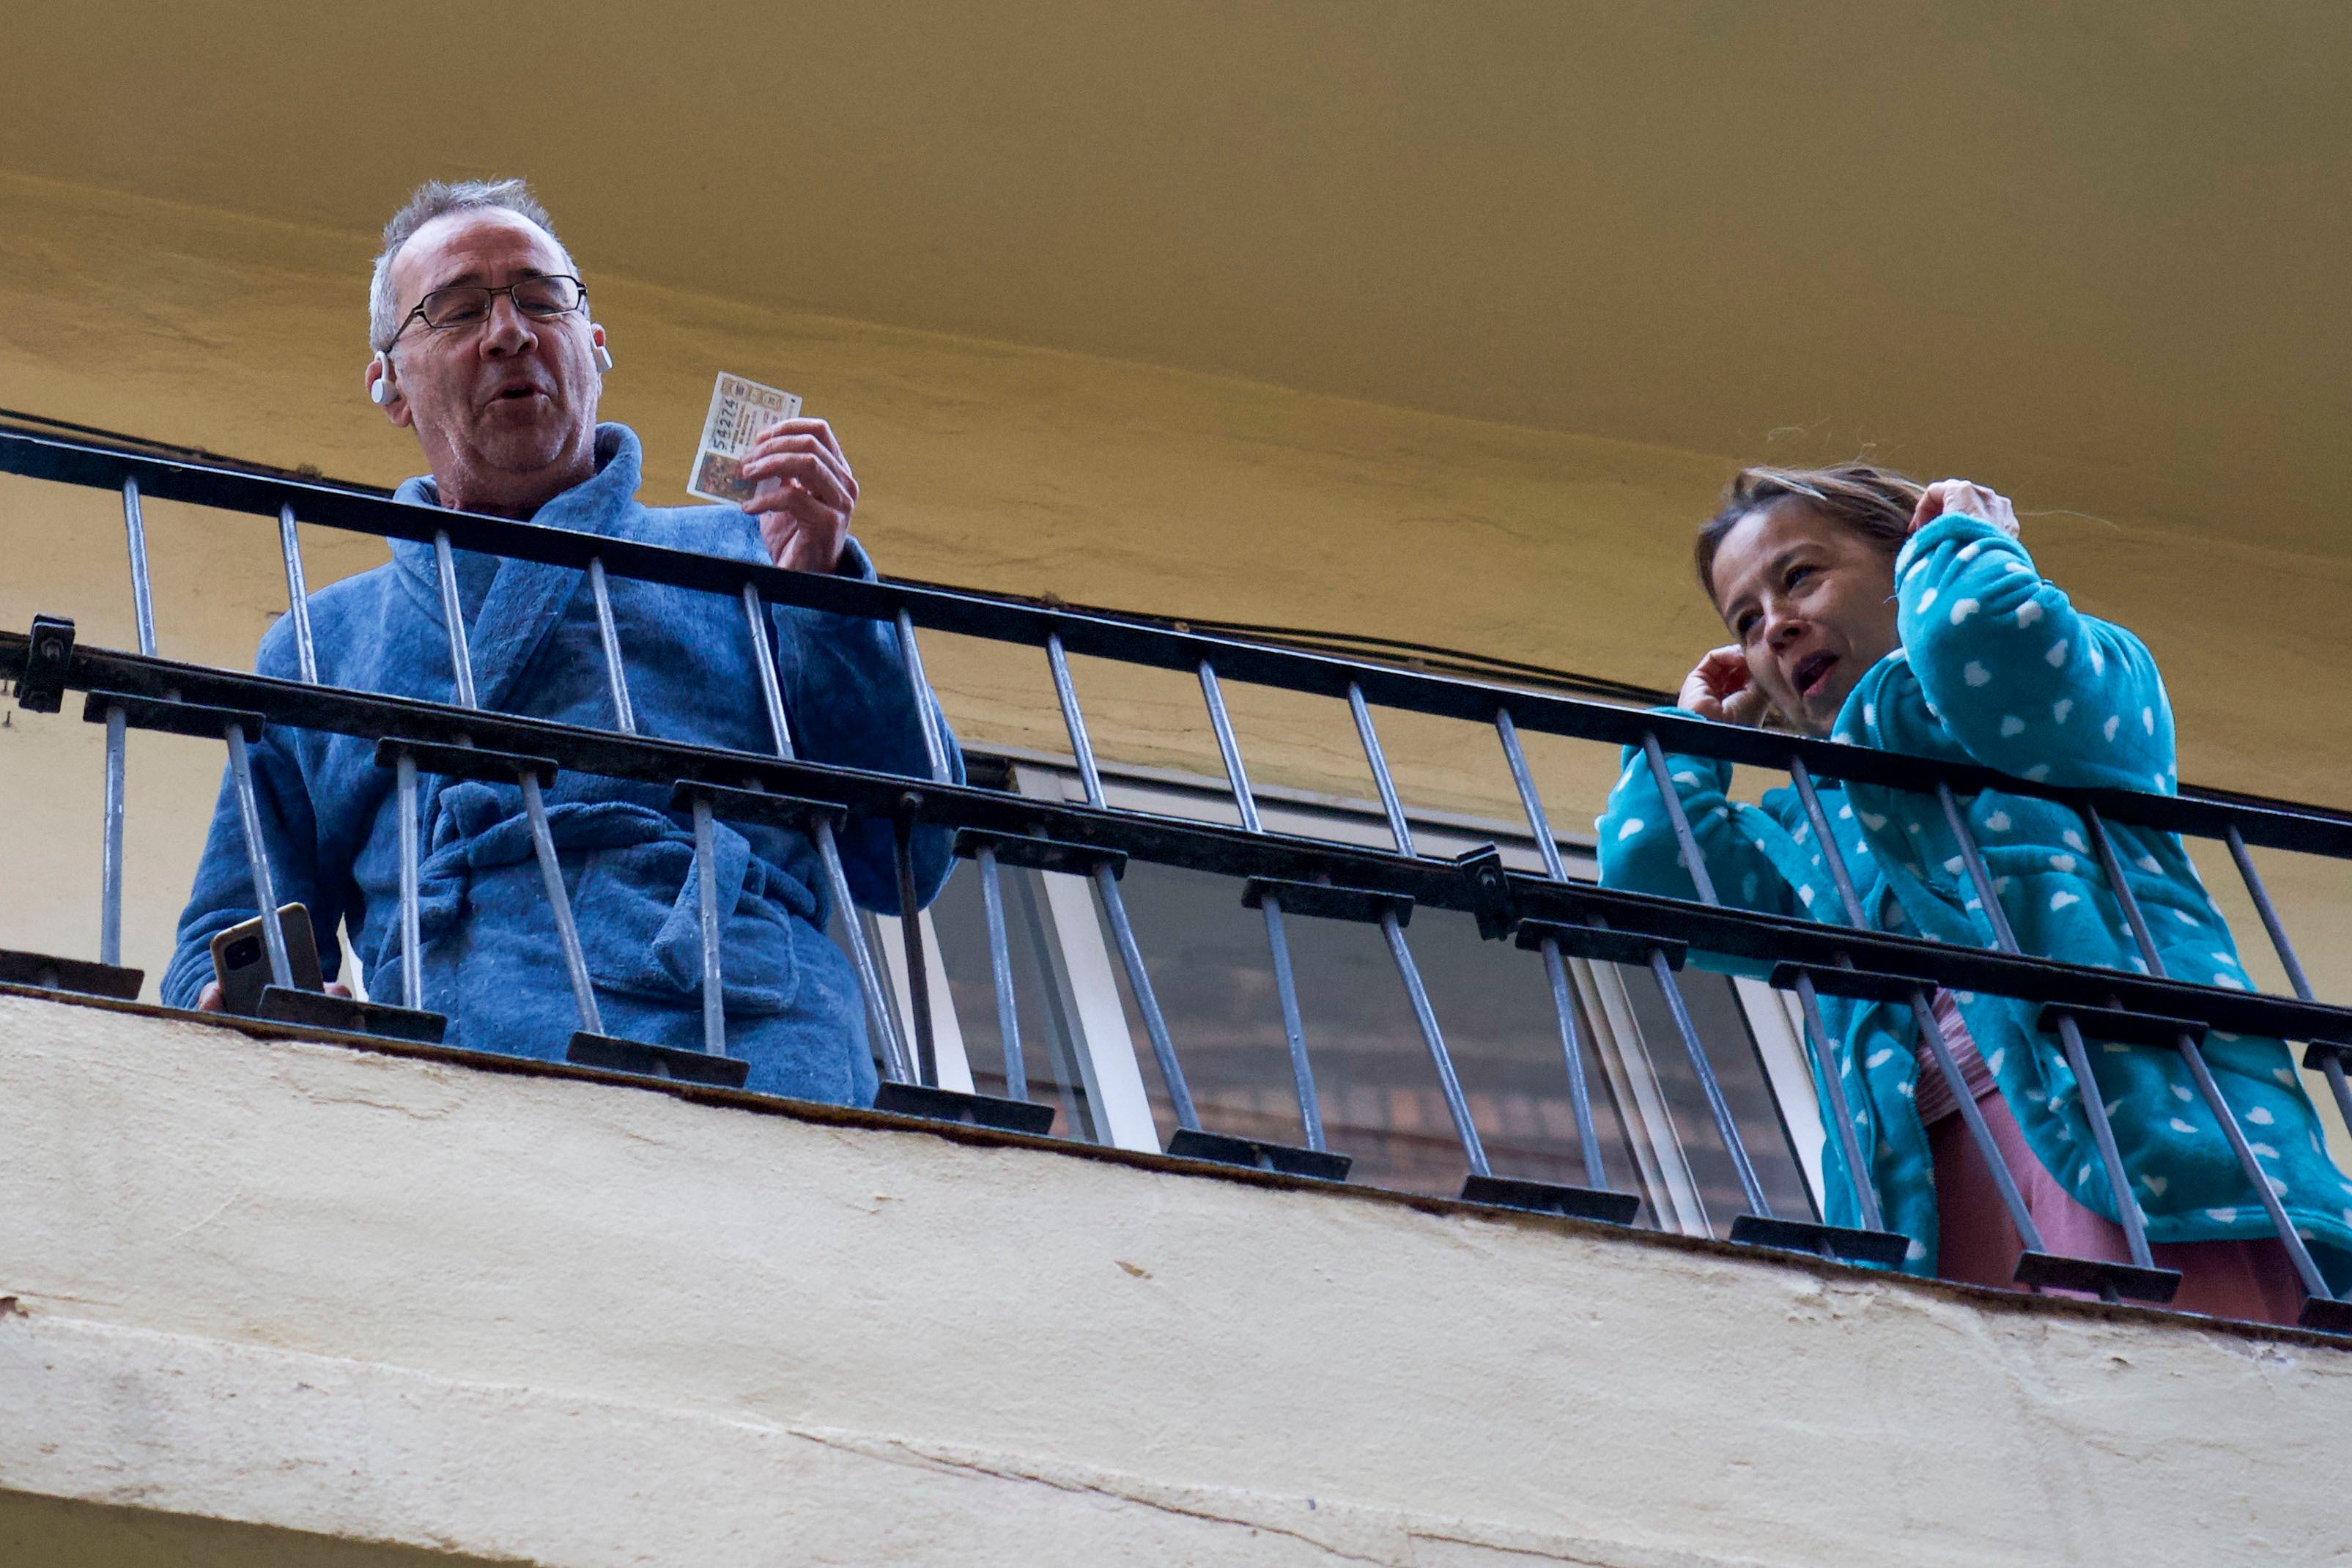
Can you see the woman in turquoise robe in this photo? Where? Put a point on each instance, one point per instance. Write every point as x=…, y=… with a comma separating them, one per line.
x=1991, y=664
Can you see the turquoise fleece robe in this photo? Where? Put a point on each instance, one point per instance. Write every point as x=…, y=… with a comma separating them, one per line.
x=1998, y=668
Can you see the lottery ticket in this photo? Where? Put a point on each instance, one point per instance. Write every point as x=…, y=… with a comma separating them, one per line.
x=740, y=412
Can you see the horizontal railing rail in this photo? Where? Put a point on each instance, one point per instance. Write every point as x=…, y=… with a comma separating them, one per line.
x=2273, y=823
x=1547, y=913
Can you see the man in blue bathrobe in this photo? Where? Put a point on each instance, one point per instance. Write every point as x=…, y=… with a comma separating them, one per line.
x=485, y=348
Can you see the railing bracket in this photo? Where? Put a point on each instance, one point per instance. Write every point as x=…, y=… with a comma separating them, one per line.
x=465, y=762
x=1551, y=1197
x=1038, y=854
x=75, y=975
x=1254, y=1154
x=639, y=1059
x=49, y=654
x=1856, y=984
x=168, y=717
x=317, y=1010
x=1601, y=943
x=1490, y=890
x=953, y=1105
x=1882, y=1249
x=1321, y=901
x=790, y=811
x=2122, y=1027
x=2051, y=1271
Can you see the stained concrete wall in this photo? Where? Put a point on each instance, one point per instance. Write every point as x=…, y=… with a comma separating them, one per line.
x=515, y=1314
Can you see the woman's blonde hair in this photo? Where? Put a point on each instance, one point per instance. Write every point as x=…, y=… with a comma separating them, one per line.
x=1875, y=502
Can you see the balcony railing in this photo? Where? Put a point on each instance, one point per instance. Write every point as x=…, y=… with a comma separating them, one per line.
x=1283, y=875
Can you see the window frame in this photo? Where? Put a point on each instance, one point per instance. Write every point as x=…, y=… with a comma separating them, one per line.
x=1105, y=1049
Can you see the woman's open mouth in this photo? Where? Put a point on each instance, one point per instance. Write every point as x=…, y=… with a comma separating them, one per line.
x=1814, y=672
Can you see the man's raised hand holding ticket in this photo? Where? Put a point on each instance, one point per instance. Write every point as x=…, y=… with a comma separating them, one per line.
x=805, y=494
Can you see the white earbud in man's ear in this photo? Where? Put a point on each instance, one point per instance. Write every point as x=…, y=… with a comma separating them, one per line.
x=604, y=357
x=380, y=392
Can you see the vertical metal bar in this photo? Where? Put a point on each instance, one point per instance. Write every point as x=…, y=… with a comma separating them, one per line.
x=1229, y=747
x=608, y=632
x=534, y=804
x=1848, y=899
x=1530, y=799
x=2070, y=1035
x=142, y=597
x=1923, y=1020
x=1457, y=1105
x=1817, y=1040
x=1277, y=940
x=918, y=979
x=926, y=714
x=567, y=935
x=2112, y=863
x=1973, y=860
x=412, y=961
x=452, y=618
x=2330, y=1064
x=1074, y=720
x=257, y=857
x=1000, y=968
x=1717, y=1105
x=714, y=991
x=878, y=1015
x=298, y=595
x=1130, y=958
x=1293, y=1029
x=1380, y=765
x=1693, y=861
x=2271, y=923
x=1579, y=1092
x=1571, y=1047
x=109, y=871
x=1824, y=1052
x=118, y=743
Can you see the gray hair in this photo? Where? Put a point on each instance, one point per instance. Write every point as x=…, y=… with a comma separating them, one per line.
x=438, y=198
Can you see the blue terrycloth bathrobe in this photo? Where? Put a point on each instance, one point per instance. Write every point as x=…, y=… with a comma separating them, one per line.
x=492, y=961
x=1998, y=668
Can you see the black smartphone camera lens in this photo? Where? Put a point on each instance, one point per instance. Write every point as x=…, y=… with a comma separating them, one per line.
x=245, y=952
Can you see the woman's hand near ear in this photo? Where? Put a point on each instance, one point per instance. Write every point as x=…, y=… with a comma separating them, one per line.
x=1721, y=689
x=1969, y=499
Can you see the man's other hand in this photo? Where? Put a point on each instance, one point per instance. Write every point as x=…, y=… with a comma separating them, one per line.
x=208, y=1000
x=805, y=496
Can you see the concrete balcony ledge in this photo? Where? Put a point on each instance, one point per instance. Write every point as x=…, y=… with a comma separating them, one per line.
x=279, y=1300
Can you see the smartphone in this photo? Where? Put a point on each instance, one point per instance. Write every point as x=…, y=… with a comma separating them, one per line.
x=241, y=960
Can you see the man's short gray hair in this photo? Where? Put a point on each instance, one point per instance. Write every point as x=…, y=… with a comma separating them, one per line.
x=438, y=198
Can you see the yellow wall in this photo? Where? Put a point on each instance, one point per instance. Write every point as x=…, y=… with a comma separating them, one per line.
x=997, y=467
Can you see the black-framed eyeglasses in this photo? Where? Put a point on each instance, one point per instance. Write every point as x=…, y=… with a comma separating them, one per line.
x=543, y=299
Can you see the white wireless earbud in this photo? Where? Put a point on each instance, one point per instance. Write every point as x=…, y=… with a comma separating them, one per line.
x=604, y=357
x=380, y=393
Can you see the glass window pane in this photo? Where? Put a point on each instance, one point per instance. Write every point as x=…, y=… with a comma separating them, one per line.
x=1731, y=1051
x=1210, y=967
x=1049, y=1033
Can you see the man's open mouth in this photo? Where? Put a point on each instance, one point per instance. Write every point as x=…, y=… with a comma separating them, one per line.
x=1814, y=672
x=510, y=394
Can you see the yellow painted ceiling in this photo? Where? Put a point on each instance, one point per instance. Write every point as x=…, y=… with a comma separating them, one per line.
x=2096, y=254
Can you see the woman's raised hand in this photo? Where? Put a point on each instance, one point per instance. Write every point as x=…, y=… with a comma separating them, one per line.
x=1721, y=689
x=1969, y=499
